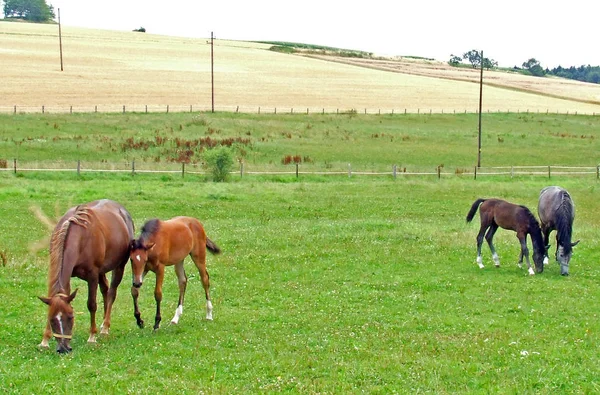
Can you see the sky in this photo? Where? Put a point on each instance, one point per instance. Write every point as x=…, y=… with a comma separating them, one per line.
x=509, y=31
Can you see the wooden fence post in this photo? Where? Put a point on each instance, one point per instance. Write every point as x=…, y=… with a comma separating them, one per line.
x=15, y=109
x=133, y=167
x=15, y=165
x=78, y=166
x=349, y=170
x=297, y=166
x=394, y=170
x=597, y=171
x=475, y=173
x=43, y=110
x=439, y=172
x=167, y=108
x=548, y=172
x=241, y=169
x=123, y=108
x=182, y=169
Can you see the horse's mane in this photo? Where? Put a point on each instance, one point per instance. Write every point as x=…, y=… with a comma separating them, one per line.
x=150, y=228
x=57, y=248
x=535, y=232
x=564, y=222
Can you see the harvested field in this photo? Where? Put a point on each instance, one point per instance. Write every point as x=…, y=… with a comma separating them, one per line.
x=112, y=69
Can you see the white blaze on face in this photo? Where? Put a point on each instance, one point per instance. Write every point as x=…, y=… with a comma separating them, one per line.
x=60, y=326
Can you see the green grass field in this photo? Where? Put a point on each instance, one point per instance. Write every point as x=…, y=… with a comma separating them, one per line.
x=325, y=284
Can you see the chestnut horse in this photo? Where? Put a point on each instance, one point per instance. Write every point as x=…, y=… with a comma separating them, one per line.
x=496, y=213
x=89, y=241
x=166, y=243
x=557, y=212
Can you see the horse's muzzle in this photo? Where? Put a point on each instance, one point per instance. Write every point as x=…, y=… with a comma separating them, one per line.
x=63, y=348
x=136, y=285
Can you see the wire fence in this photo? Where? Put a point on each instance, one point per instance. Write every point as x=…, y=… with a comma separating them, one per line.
x=124, y=109
x=297, y=170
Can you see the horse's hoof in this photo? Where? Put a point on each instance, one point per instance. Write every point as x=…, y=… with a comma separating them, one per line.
x=173, y=322
x=531, y=272
x=43, y=346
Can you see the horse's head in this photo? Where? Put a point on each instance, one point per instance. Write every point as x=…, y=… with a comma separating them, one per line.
x=138, y=254
x=61, y=319
x=563, y=256
x=538, y=259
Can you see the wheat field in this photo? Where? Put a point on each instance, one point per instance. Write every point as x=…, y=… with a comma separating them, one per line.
x=106, y=70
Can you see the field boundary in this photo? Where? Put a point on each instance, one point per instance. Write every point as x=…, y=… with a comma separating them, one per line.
x=136, y=109
x=394, y=171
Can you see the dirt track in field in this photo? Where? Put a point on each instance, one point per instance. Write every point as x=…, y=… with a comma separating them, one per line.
x=111, y=69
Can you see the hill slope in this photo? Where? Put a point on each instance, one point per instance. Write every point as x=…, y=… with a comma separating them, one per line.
x=110, y=69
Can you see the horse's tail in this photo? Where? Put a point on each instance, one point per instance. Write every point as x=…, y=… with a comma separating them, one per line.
x=474, y=208
x=212, y=247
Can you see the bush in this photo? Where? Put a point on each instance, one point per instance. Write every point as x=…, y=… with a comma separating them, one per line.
x=219, y=163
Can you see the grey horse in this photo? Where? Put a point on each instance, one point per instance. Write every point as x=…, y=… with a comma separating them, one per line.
x=557, y=212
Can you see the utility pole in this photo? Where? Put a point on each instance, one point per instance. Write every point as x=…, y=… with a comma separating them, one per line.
x=60, y=41
x=212, y=70
x=480, y=105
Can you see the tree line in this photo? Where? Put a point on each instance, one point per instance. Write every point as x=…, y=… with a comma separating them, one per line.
x=531, y=67
x=29, y=10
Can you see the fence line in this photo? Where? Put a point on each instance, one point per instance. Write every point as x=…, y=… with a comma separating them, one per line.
x=395, y=172
x=124, y=109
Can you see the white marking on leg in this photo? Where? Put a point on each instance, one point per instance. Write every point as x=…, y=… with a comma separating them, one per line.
x=546, y=261
x=44, y=343
x=480, y=262
x=92, y=338
x=103, y=329
x=209, y=310
x=496, y=259
x=531, y=272
x=178, y=313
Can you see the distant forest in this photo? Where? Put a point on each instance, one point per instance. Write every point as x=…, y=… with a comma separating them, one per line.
x=581, y=73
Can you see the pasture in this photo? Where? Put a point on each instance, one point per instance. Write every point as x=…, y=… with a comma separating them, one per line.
x=324, y=284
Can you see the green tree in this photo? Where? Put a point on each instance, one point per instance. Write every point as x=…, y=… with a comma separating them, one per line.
x=534, y=67
x=30, y=10
x=454, y=60
x=474, y=57
x=489, y=63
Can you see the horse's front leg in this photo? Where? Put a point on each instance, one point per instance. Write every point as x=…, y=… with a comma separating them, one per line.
x=92, y=307
x=546, y=236
x=160, y=276
x=109, y=297
x=135, y=293
x=182, y=281
x=46, y=336
x=525, y=253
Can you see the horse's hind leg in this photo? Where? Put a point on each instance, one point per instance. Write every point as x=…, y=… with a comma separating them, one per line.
x=103, y=283
x=109, y=296
x=92, y=307
x=182, y=281
x=479, y=243
x=199, y=259
x=489, y=236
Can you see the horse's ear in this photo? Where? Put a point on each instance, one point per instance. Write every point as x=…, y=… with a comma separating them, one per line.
x=149, y=246
x=72, y=296
x=574, y=244
x=45, y=300
x=131, y=244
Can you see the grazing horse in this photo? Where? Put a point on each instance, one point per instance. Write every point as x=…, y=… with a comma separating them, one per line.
x=166, y=243
x=496, y=213
x=557, y=212
x=89, y=241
